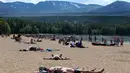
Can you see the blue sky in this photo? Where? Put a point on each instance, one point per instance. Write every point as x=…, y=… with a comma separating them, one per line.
x=101, y=2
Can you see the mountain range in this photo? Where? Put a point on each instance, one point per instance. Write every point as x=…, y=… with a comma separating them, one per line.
x=63, y=8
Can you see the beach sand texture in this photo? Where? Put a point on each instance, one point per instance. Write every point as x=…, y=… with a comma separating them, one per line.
x=112, y=59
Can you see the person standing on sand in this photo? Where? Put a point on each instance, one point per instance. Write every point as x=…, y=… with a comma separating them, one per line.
x=81, y=40
x=90, y=38
x=121, y=41
x=115, y=40
x=118, y=41
x=102, y=39
x=95, y=38
x=111, y=42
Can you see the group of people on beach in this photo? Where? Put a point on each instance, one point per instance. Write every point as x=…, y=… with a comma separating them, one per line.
x=33, y=40
x=59, y=69
x=118, y=41
x=73, y=42
x=77, y=44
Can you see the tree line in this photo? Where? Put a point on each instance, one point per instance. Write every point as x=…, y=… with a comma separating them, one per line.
x=22, y=26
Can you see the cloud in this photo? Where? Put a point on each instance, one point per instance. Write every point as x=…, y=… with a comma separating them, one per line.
x=101, y=2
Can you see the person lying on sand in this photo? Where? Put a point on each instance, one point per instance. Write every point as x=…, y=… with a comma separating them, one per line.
x=59, y=69
x=57, y=57
x=32, y=48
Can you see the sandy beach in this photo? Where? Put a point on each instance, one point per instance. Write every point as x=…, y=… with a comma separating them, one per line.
x=112, y=59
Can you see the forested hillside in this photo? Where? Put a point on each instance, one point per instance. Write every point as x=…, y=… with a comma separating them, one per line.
x=82, y=19
x=105, y=25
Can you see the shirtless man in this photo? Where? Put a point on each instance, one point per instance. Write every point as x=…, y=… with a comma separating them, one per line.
x=56, y=57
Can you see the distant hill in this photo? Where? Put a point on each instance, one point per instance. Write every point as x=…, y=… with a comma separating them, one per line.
x=64, y=8
x=21, y=8
x=117, y=6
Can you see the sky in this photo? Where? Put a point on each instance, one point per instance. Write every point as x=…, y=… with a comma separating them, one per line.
x=100, y=2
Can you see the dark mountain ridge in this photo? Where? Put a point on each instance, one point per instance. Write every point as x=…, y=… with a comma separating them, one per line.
x=62, y=8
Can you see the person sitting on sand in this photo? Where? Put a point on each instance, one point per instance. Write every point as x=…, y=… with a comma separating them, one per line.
x=72, y=44
x=66, y=43
x=13, y=36
x=106, y=43
x=80, y=45
x=31, y=41
x=59, y=41
x=38, y=40
x=53, y=38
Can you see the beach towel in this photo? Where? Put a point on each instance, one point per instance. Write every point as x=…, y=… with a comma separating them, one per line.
x=49, y=50
x=46, y=50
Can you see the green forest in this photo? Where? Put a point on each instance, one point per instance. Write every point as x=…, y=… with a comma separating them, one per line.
x=66, y=25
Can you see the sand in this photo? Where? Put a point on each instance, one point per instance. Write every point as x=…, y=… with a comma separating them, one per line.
x=112, y=59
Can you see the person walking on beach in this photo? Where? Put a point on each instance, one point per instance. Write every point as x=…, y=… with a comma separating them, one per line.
x=95, y=38
x=111, y=42
x=81, y=40
x=90, y=38
x=102, y=39
x=121, y=41
x=118, y=41
x=115, y=40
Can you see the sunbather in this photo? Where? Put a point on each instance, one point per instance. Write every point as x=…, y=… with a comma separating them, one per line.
x=31, y=48
x=56, y=57
x=59, y=69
